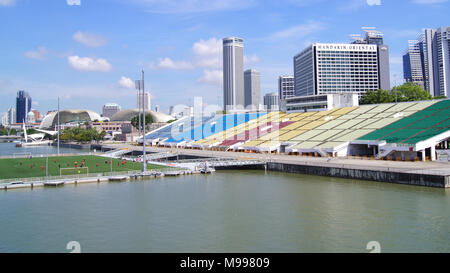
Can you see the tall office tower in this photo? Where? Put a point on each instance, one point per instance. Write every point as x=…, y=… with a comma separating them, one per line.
x=110, y=109
x=412, y=64
x=335, y=68
x=12, y=116
x=426, y=54
x=23, y=106
x=252, y=89
x=233, y=73
x=157, y=108
x=271, y=102
x=143, y=100
x=442, y=61
x=285, y=87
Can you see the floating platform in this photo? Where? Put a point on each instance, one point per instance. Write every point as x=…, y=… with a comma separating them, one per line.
x=118, y=178
x=54, y=183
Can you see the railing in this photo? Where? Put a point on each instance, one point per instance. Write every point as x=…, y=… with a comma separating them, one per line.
x=43, y=179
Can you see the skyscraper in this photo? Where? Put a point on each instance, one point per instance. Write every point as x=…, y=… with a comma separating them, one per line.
x=252, y=89
x=233, y=73
x=443, y=61
x=426, y=54
x=23, y=106
x=144, y=100
x=412, y=64
x=285, y=87
x=434, y=50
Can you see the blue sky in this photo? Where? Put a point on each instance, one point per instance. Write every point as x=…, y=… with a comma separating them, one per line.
x=89, y=52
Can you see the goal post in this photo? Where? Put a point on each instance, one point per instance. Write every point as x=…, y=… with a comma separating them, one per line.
x=73, y=171
x=22, y=155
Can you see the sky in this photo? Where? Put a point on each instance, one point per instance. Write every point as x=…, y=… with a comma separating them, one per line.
x=89, y=52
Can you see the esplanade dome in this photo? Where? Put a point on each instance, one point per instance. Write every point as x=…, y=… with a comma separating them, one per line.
x=128, y=114
x=69, y=116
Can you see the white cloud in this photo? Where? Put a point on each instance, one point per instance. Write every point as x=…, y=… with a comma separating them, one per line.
x=299, y=31
x=88, y=64
x=251, y=59
x=214, y=77
x=7, y=2
x=429, y=1
x=168, y=63
x=374, y=2
x=193, y=6
x=126, y=82
x=208, y=53
x=73, y=2
x=38, y=54
x=90, y=39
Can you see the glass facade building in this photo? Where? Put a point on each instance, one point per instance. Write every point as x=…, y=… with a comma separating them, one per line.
x=23, y=106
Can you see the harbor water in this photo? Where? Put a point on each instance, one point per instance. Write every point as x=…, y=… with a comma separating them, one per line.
x=228, y=211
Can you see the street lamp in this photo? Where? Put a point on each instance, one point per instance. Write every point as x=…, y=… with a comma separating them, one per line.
x=138, y=87
x=139, y=84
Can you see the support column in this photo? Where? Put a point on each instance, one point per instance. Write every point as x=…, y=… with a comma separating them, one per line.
x=433, y=153
x=423, y=155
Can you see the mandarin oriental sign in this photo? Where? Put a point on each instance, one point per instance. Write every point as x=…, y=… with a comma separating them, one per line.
x=346, y=47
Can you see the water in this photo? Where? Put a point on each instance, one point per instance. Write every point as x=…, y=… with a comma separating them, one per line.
x=9, y=149
x=229, y=211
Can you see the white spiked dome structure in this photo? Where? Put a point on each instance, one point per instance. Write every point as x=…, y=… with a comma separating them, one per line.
x=68, y=116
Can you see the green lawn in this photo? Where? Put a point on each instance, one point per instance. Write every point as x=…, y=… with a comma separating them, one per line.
x=35, y=167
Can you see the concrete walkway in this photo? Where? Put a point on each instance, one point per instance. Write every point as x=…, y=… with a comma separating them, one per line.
x=437, y=168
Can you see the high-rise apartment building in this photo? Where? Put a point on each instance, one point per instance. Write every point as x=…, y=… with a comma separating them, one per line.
x=143, y=100
x=434, y=50
x=233, y=73
x=412, y=64
x=110, y=109
x=286, y=87
x=23, y=106
x=252, y=89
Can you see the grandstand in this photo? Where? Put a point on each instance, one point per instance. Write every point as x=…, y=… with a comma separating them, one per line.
x=406, y=130
x=183, y=132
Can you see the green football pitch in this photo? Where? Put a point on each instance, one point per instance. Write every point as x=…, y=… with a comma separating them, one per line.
x=35, y=166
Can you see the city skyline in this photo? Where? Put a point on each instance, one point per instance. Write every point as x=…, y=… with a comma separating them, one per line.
x=90, y=60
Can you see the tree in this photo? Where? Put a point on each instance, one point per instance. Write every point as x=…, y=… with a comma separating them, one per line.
x=148, y=120
x=376, y=96
x=405, y=92
x=410, y=92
